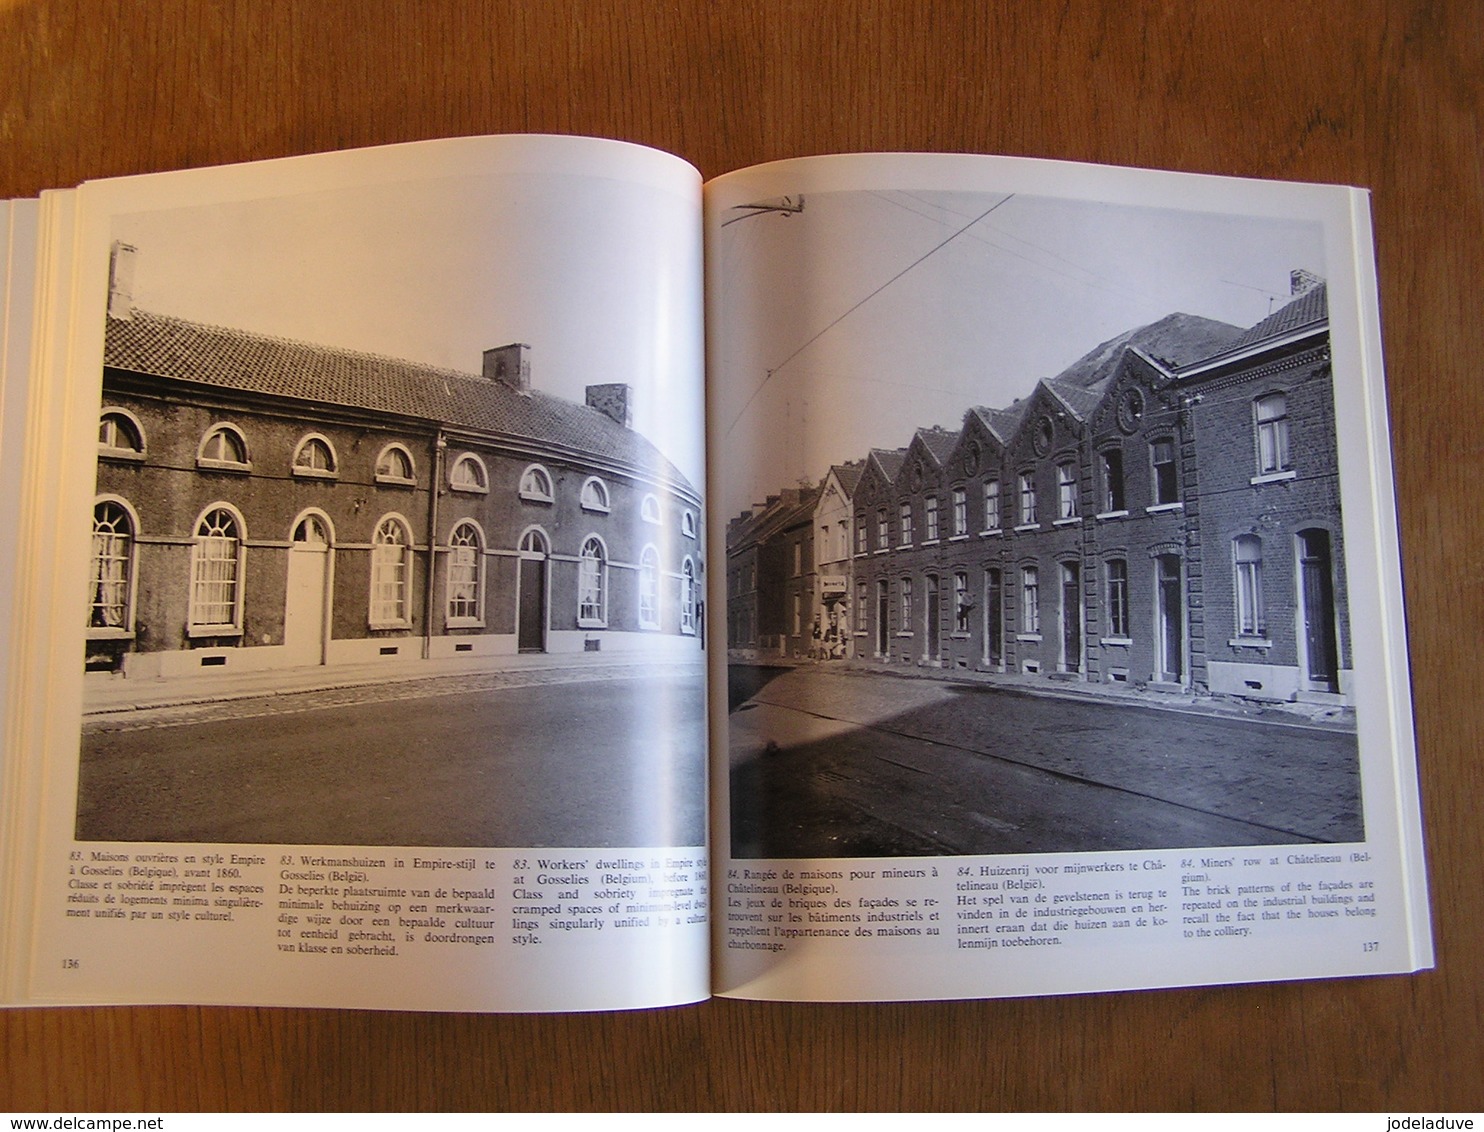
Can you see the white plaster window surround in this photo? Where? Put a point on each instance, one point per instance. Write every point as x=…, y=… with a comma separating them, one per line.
x=535, y=485
x=468, y=473
x=224, y=449
x=314, y=458
x=594, y=495
x=394, y=465
x=120, y=435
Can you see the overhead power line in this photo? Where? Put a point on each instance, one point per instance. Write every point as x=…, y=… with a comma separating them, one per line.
x=856, y=306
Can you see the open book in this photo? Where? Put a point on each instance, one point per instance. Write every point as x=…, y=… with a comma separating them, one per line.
x=501, y=574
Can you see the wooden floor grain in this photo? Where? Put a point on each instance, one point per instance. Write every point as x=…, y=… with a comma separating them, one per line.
x=1379, y=94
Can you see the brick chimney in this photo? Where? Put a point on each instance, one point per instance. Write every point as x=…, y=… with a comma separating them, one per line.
x=509, y=365
x=1301, y=281
x=615, y=401
x=121, y=280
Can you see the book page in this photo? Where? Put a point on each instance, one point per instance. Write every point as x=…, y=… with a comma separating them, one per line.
x=382, y=474
x=1064, y=644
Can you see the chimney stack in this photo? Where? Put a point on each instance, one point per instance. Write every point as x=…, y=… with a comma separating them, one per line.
x=1301, y=281
x=121, y=280
x=615, y=401
x=509, y=365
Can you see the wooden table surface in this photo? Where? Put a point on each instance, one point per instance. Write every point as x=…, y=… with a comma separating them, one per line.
x=1376, y=94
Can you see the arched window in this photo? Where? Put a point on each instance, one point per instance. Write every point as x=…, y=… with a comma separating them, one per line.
x=592, y=585
x=465, y=575
x=649, y=588
x=688, y=524
x=468, y=474
x=594, y=495
x=223, y=448
x=535, y=484
x=314, y=457
x=394, y=465
x=112, y=574
x=391, y=558
x=1247, y=564
x=687, y=597
x=120, y=435
x=649, y=510
x=216, y=574
x=1270, y=416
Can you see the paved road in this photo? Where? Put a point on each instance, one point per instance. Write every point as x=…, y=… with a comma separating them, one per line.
x=588, y=763
x=827, y=764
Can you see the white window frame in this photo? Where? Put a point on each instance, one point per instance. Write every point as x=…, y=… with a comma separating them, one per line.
x=536, y=485
x=231, y=572
x=1247, y=610
x=112, y=569
x=465, y=574
x=649, y=588
x=384, y=457
x=993, y=517
x=1119, y=622
x=480, y=485
x=218, y=463
x=1270, y=436
x=959, y=501
x=904, y=522
x=120, y=420
x=389, y=605
x=592, y=584
x=649, y=509
x=1027, y=484
x=1030, y=602
x=930, y=520
x=688, y=524
x=594, y=495
x=306, y=444
x=688, y=596
x=1066, y=491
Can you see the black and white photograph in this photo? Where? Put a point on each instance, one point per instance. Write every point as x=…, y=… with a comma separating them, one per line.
x=1033, y=529
x=398, y=528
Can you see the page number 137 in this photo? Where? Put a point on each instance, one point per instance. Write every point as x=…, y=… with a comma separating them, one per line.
x=1371, y=945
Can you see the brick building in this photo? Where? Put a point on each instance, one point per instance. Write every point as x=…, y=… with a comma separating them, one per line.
x=264, y=502
x=1163, y=513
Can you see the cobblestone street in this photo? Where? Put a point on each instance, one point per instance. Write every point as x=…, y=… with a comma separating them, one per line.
x=830, y=763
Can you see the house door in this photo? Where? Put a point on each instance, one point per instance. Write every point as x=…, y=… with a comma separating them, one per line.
x=1321, y=651
x=883, y=609
x=994, y=627
x=306, y=593
x=530, y=616
x=1071, y=618
x=934, y=625
x=1170, y=629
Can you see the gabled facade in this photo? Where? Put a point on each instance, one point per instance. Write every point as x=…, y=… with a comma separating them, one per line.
x=1163, y=514
x=834, y=532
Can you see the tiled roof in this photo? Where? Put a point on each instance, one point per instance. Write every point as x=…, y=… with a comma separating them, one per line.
x=890, y=460
x=1002, y=422
x=1308, y=308
x=940, y=442
x=1176, y=340
x=849, y=474
x=1082, y=402
x=257, y=363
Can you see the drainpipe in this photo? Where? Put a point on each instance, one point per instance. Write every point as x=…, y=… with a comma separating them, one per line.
x=440, y=446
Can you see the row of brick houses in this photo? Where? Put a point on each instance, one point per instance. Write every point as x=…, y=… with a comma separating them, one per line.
x=1164, y=513
x=263, y=502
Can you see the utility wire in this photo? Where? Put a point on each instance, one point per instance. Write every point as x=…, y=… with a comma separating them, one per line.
x=830, y=326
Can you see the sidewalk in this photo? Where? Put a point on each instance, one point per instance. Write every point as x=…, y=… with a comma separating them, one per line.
x=109, y=695
x=1294, y=714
